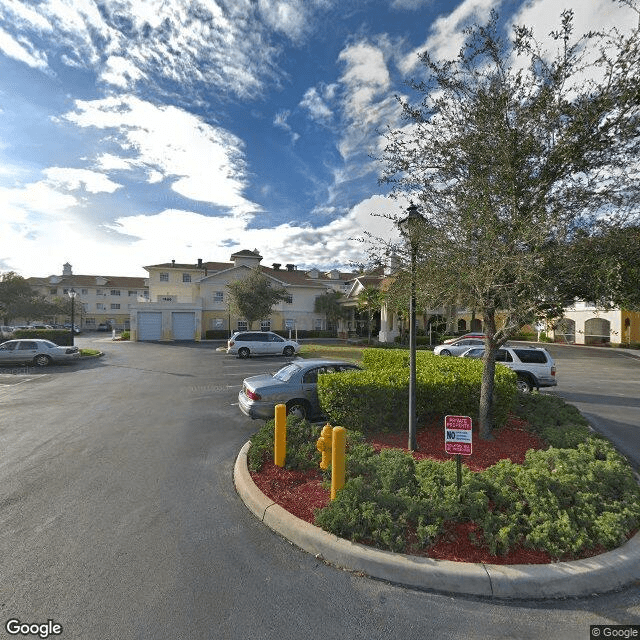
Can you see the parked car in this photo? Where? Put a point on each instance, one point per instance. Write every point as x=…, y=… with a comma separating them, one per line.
x=36, y=351
x=6, y=331
x=534, y=366
x=76, y=328
x=466, y=336
x=104, y=326
x=247, y=343
x=458, y=347
x=48, y=327
x=295, y=385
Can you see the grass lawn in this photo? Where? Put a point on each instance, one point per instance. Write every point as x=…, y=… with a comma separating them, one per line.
x=349, y=352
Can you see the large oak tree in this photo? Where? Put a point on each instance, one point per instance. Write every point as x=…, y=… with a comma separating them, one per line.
x=512, y=153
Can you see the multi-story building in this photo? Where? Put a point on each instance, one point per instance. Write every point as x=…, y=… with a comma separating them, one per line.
x=99, y=299
x=188, y=300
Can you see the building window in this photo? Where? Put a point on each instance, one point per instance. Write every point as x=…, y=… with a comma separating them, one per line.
x=265, y=325
x=53, y=292
x=84, y=292
x=218, y=323
x=288, y=299
x=115, y=292
x=90, y=321
x=186, y=277
x=100, y=306
x=242, y=325
x=99, y=292
x=164, y=277
x=166, y=298
x=132, y=293
x=218, y=296
x=115, y=305
x=319, y=323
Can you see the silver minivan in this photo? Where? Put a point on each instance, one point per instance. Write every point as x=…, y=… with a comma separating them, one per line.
x=247, y=343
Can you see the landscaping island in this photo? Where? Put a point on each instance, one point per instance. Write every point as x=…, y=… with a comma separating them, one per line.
x=545, y=489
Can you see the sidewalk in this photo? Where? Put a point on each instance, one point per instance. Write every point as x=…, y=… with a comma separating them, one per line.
x=607, y=572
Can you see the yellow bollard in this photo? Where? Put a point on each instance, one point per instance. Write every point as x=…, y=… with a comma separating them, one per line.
x=338, y=460
x=280, y=444
x=323, y=445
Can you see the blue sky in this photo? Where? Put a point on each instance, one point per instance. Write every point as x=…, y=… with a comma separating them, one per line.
x=134, y=132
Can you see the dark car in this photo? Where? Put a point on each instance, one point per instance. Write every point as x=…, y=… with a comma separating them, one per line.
x=294, y=385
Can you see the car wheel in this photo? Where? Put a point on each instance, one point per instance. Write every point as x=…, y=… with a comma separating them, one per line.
x=524, y=385
x=297, y=409
x=288, y=351
x=445, y=352
x=42, y=360
x=243, y=352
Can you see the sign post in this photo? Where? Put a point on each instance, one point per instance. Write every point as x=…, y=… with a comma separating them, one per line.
x=458, y=440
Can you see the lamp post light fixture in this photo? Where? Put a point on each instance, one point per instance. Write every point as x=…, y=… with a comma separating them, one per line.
x=410, y=228
x=72, y=295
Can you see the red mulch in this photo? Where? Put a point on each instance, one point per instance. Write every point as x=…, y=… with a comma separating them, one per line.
x=301, y=492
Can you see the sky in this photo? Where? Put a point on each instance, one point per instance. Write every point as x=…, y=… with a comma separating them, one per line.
x=136, y=132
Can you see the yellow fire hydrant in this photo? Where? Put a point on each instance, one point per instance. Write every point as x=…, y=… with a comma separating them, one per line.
x=324, y=446
x=332, y=444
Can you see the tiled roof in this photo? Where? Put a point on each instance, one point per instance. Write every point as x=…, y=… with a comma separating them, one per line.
x=126, y=282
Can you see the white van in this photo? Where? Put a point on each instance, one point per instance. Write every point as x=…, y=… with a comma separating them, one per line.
x=247, y=343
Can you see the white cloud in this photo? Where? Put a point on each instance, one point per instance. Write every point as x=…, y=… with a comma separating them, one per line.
x=120, y=72
x=206, y=162
x=316, y=105
x=22, y=51
x=446, y=37
x=74, y=179
x=39, y=198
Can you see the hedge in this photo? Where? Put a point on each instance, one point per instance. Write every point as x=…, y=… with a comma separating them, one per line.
x=377, y=397
x=61, y=337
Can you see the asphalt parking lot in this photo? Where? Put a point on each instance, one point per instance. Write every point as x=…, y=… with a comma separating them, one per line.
x=119, y=517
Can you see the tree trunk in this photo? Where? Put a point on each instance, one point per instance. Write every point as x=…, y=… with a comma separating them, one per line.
x=488, y=374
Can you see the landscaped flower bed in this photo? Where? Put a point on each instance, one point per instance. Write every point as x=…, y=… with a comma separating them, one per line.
x=514, y=507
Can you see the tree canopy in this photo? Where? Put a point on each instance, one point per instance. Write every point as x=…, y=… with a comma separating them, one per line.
x=19, y=300
x=254, y=296
x=513, y=154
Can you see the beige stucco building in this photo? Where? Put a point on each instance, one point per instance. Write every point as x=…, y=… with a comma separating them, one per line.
x=99, y=299
x=187, y=301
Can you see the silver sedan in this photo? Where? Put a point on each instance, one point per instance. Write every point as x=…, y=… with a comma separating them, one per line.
x=295, y=385
x=36, y=351
x=458, y=347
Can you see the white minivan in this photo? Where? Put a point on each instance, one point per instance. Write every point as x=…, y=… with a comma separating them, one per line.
x=247, y=343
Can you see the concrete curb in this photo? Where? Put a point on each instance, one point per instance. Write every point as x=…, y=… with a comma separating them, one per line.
x=607, y=572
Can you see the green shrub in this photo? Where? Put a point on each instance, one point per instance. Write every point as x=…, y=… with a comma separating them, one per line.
x=564, y=501
x=61, y=337
x=561, y=500
x=301, y=445
x=377, y=398
x=559, y=424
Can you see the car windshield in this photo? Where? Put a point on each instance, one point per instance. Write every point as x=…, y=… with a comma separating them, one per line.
x=286, y=373
x=48, y=344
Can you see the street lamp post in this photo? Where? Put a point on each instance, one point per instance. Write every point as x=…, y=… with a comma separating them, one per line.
x=72, y=295
x=409, y=227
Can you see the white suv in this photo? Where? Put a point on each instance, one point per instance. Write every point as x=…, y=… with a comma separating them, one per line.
x=534, y=366
x=246, y=343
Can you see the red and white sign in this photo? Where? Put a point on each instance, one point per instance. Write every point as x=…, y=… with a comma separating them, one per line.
x=457, y=435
